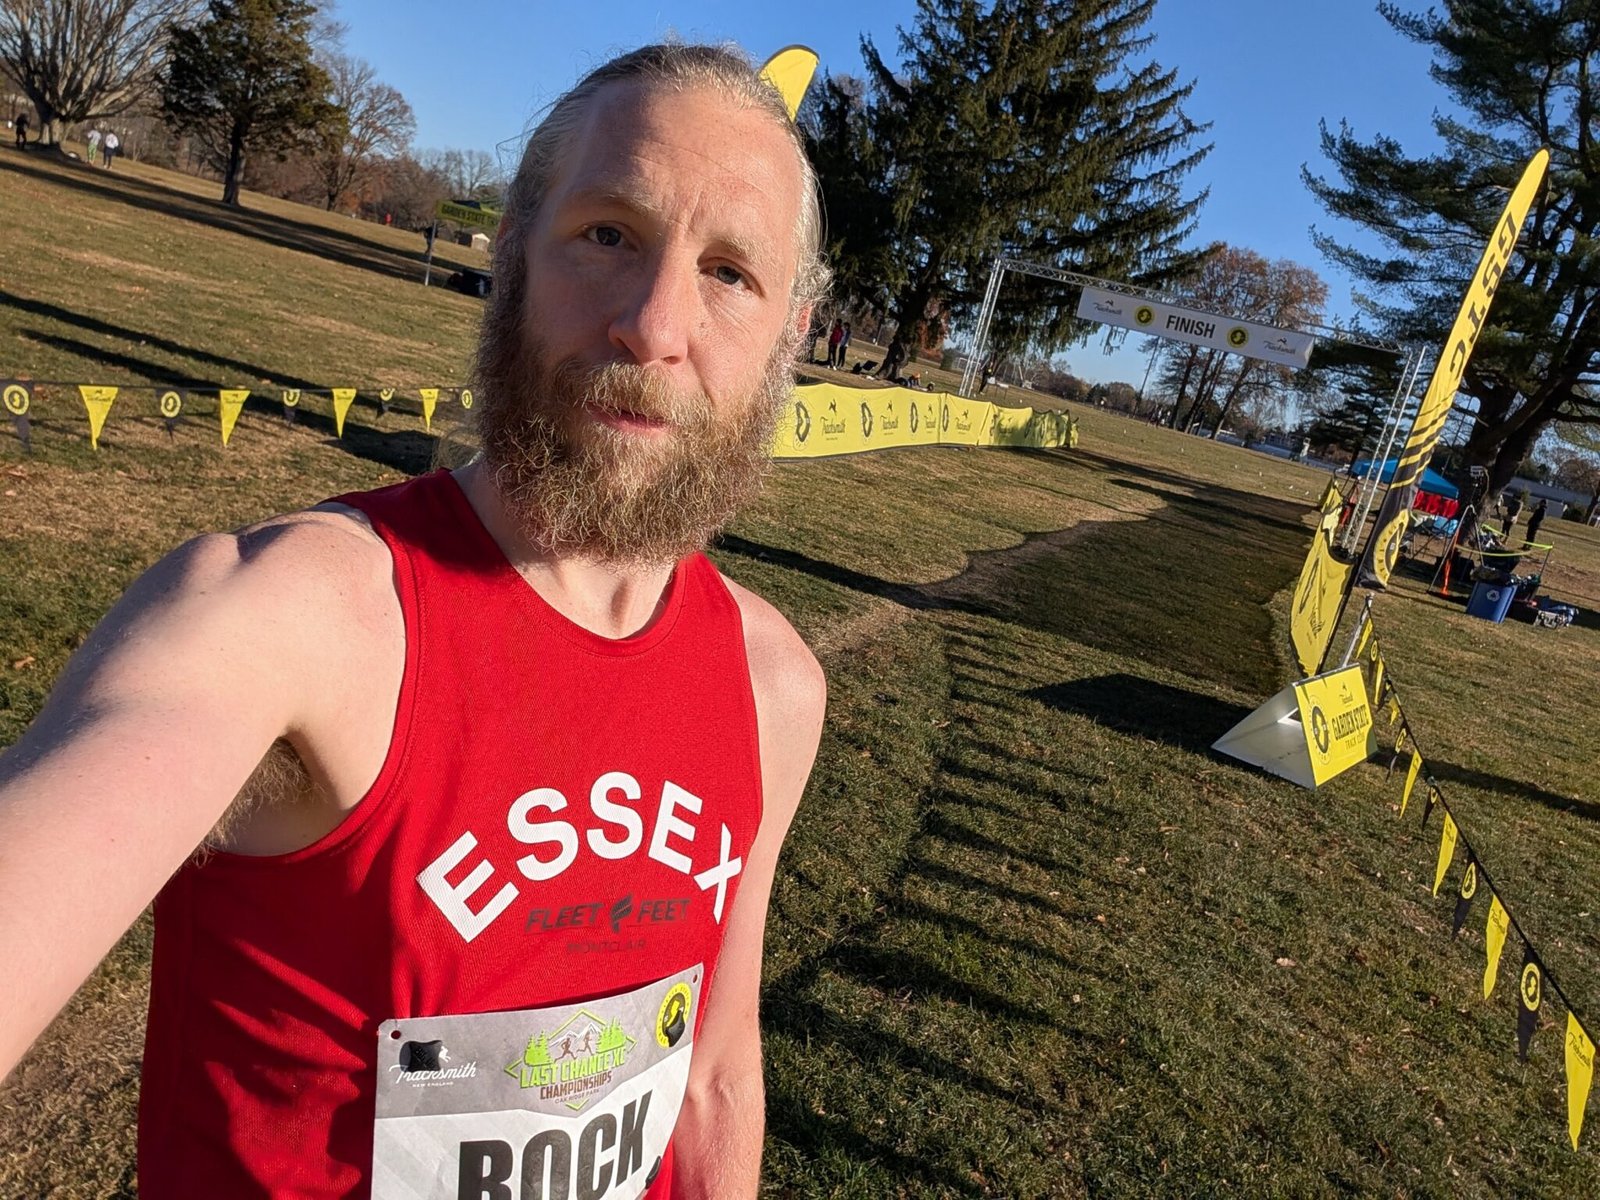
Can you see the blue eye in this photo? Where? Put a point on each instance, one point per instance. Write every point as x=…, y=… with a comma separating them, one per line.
x=729, y=276
x=606, y=235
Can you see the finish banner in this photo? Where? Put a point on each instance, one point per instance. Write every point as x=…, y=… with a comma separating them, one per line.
x=1394, y=516
x=1286, y=347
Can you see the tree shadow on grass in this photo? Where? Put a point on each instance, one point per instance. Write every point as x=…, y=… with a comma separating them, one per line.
x=1445, y=772
x=1158, y=712
x=348, y=249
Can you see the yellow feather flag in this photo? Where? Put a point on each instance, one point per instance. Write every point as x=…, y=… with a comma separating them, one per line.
x=343, y=398
x=1447, y=851
x=229, y=404
x=1580, y=1074
x=430, y=398
x=1412, y=772
x=97, y=401
x=1494, y=934
x=790, y=71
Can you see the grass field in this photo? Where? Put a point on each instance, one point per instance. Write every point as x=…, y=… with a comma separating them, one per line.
x=1031, y=937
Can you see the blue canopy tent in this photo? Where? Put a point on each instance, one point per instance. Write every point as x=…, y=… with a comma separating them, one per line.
x=1433, y=483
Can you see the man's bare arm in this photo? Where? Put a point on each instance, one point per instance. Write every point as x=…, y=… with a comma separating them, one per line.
x=717, y=1153
x=160, y=718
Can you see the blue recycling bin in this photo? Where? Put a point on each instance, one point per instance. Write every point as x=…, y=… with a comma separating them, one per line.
x=1491, y=601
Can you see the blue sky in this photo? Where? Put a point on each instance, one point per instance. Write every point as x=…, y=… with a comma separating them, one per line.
x=1265, y=73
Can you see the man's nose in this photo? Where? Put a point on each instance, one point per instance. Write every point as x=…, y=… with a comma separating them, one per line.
x=652, y=323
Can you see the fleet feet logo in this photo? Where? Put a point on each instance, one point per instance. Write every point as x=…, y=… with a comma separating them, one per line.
x=573, y=1062
x=802, y=421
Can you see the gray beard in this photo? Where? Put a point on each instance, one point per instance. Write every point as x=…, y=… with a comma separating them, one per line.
x=576, y=487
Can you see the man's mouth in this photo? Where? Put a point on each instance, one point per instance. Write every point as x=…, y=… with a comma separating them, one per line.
x=627, y=420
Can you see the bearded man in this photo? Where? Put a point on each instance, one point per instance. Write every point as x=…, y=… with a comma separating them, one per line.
x=490, y=769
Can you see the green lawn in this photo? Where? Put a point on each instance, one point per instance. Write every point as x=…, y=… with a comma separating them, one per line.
x=1030, y=937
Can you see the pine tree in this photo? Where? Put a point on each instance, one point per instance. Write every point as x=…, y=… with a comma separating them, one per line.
x=1525, y=75
x=1021, y=127
x=243, y=81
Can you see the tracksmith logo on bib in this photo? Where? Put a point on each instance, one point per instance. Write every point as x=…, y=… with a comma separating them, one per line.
x=471, y=905
x=583, y=1109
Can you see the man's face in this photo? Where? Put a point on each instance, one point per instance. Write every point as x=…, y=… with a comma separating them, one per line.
x=632, y=414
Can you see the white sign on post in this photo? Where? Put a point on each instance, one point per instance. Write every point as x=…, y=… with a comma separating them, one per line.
x=1286, y=347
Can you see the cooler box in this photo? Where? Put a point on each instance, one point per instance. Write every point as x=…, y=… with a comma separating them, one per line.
x=1491, y=601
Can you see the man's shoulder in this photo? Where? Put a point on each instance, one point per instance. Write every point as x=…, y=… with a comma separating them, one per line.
x=783, y=671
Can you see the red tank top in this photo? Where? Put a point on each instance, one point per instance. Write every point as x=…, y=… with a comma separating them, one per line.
x=272, y=975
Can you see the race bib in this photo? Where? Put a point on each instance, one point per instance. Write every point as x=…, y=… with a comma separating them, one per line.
x=574, y=1102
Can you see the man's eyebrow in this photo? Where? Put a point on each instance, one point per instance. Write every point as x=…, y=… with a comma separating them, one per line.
x=748, y=250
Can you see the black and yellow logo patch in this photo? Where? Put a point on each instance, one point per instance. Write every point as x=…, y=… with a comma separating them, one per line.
x=1532, y=985
x=16, y=399
x=1238, y=337
x=1319, y=729
x=802, y=421
x=1144, y=314
x=171, y=404
x=673, y=1019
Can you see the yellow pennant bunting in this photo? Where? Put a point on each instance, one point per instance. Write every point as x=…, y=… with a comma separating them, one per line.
x=1377, y=676
x=171, y=403
x=1494, y=934
x=291, y=397
x=1366, y=636
x=790, y=71
x=1400, y=742
x=343, y=398
x=386, y=394
x=1394, y=708
x=430, y=398
x=1412, y=772
x=466, y=397
x=1580, y=1074
x=229, y=405
x=1447, y=851
x=98, y=402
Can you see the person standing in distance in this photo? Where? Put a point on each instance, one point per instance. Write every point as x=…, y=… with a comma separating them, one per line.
x=408, y=726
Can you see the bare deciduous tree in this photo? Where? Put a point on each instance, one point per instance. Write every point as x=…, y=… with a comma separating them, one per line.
x=79, y=60
x=378, y=123
x=472, y=174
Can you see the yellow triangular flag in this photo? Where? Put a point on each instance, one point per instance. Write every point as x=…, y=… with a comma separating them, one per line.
x=1580, y=1074
x=1394, y=708
x=1366, y=633
x=1377, y=676
x=1400, y=742
x=1412, y=772
x=1494, y=934
x=343, y=398
x=98, y=402
x=229, y=405
x=1447, y=851
x=430, y=398
x=790, y=71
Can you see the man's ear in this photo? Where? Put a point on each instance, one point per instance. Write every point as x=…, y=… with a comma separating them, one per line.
x=802, y=320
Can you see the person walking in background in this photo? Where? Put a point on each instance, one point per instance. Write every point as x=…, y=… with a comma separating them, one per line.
x=112, y=143
x=1513, y=505
x=91, y=141
x=22, y=131
x=1536, y=520
x=837, y=332
x=844, y=344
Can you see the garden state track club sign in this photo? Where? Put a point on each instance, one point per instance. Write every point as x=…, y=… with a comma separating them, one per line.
x=1286, y=347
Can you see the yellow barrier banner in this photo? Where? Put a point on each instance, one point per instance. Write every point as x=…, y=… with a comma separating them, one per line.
x=465, y=214
x=825, y=419
x=343, y=398
x=1314, y=609
x=230, y=404
x=97, y=402
x=964, y=422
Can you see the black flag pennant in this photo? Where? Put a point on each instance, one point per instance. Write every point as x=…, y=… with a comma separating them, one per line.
x=1530, y=991
x=1464, y=895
